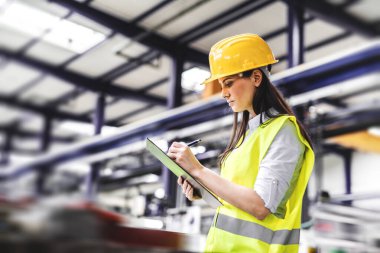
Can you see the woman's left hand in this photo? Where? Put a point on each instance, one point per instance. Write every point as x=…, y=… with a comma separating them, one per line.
x=183, y=156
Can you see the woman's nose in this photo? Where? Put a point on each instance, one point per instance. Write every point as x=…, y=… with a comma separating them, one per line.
x=225, y=93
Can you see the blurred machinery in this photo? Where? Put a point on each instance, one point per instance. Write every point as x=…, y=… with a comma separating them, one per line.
x=347, y=228
x=70, y=225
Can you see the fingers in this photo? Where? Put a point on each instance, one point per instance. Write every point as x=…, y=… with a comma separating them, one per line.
x=188, y=190
x=177, y=147
x=180, y=181
x=175, y=151
x=171, y=155
x=179, y=152
x=178, y=144
x=190, y=194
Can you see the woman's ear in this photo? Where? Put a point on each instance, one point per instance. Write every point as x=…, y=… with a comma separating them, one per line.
x=256, y=77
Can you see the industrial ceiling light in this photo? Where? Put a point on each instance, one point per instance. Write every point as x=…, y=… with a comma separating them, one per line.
x=26, y=19
x=374, y=130
x=53, y=29
x=73, y=37
x=192, y=78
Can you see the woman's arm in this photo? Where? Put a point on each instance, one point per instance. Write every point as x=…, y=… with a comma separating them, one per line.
x=241, y=197
x=276, y=178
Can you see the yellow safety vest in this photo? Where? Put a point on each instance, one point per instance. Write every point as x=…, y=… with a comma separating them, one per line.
x=234, y=230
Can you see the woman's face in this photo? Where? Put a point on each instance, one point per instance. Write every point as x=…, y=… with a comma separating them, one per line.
x=239, y=91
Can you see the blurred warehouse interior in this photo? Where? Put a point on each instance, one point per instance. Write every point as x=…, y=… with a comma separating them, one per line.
x=84, y=82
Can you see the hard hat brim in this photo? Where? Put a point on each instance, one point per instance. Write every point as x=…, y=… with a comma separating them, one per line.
x=216, y=77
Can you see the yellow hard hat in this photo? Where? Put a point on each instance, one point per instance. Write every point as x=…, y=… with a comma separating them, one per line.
x=237, y=54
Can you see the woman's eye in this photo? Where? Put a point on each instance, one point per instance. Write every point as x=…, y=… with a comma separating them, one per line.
x=228, y=83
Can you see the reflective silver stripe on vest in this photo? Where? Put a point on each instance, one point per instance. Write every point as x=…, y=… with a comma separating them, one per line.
x=256, y=231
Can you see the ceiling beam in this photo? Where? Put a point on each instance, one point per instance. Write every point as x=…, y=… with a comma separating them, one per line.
x=131, y=64
x=78, y=91
x=21, y=151
x=152, y=10
x=348, y=121
x=223, y=19
x=22, y=133
x=321, y=43
x=116, y=120
x=337, y=16
x=82, y=81
x=65, y=98
x=45, y=111
x=334, y=102
x=130, y=30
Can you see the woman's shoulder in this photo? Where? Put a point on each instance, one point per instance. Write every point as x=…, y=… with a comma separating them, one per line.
x=288, y=133
x=278, y=118
x=289, y=127
x=282, y=124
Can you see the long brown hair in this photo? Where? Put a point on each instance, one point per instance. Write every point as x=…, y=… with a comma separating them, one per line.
x=266, y=97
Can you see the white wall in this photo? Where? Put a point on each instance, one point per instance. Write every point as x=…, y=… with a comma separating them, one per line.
x=365, y=177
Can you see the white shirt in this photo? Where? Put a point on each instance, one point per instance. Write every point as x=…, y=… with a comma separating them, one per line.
x=277, y=167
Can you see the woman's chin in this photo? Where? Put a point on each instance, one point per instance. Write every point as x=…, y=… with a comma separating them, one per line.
x=236, y=109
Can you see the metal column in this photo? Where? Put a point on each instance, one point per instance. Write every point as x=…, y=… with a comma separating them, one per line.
x=295, y=57
x=346, y=154
x=174, y=100
x=93, y=176
x=295, y=32
x=7, y=146
x=44, y=171
x=99, y=114
x=347, y=160
x=175, y=88
x=46, y=135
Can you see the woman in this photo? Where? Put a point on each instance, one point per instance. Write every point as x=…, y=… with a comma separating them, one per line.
x=267, y=163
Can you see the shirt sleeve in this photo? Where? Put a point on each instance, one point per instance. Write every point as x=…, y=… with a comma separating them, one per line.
x=278, y=166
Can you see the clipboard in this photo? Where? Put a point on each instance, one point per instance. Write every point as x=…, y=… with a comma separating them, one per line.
x=199, y=189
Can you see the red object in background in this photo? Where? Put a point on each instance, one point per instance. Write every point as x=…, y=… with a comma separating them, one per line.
x=102, y=214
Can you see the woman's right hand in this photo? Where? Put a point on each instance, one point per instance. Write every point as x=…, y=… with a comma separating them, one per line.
x=187, y=189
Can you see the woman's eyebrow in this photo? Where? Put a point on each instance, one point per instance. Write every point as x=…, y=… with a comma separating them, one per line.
x=227, y=78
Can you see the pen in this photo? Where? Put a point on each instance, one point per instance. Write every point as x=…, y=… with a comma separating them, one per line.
x=193, y=142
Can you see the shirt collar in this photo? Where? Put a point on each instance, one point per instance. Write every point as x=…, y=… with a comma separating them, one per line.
x=255, y=121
